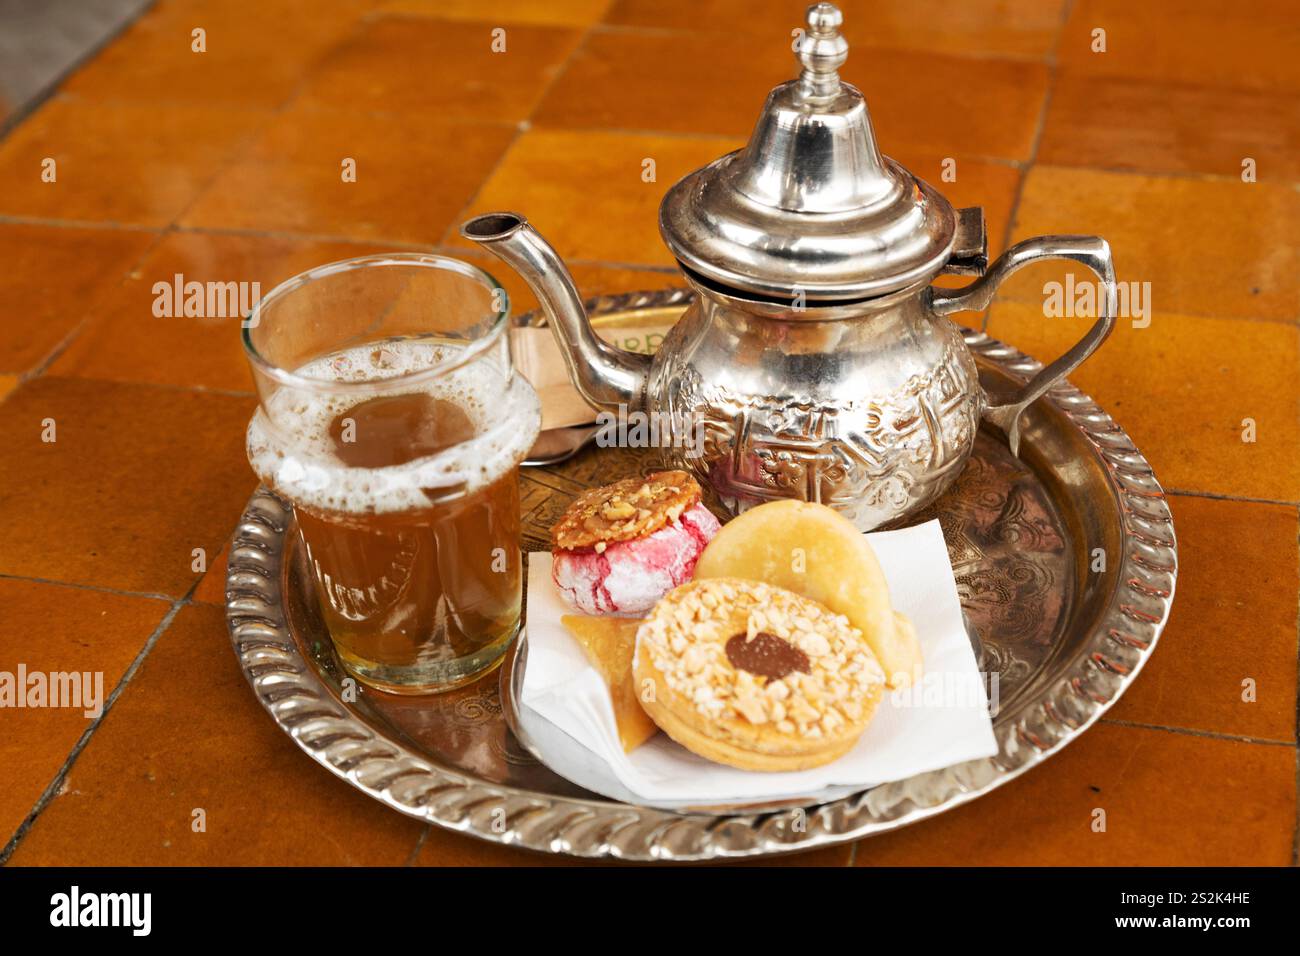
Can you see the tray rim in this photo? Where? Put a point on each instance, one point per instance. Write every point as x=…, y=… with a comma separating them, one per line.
x=401, y=777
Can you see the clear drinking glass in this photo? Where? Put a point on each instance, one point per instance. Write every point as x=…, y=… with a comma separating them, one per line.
x=392, y=417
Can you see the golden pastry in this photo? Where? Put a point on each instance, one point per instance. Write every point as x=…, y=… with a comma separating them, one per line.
x=755, y=676
x=609, y=643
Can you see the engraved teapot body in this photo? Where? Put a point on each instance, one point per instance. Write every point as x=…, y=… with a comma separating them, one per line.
x=873, y=415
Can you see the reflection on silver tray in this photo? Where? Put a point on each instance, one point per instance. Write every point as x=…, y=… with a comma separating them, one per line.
x=1023, y=534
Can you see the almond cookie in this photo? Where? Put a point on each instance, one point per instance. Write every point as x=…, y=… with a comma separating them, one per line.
x=754, y=676
x=618, y=549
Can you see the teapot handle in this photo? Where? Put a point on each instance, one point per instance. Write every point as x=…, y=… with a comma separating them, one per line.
x=1093, y=252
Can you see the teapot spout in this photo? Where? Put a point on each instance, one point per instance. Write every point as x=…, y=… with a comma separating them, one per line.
x=607, y=377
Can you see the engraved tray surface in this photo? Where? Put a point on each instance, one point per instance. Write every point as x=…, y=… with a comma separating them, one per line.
x=1023, y=536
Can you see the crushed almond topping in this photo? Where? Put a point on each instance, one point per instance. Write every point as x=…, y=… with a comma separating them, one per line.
x=628, y=509
x=703, y=635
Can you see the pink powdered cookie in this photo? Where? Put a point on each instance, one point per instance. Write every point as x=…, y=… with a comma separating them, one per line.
x=620, y=548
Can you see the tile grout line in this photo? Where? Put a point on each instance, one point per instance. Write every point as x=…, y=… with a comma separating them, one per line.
x=105, y=224
x=102, y=589
x=60, y=778
x=1193, y=175
x=1193, y=732
x=419, y=845
x=1217, y=496
x=275, y=109
x=165, y=386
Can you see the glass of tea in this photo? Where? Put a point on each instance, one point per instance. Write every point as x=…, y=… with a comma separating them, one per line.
x=392, y=417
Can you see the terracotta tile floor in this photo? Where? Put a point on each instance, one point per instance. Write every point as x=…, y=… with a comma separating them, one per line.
x=121, y=162
x=439, y=68
x=225, y=165
x=612, y=82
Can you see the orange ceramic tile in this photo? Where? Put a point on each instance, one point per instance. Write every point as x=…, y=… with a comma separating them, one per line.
x=135, y=478
x=262, y=801
x=1207, y=247
x=117, y=162
x=49, y=628
x=253, y=54
x=566, y=13
x=1169, y=799
x=587, y=191
x=1196, y=42
x=1019, y=28
x=212, y=588
x=1233, y=622
x=1125, y=124
x=989, y=185
x=1187, y=390
x=53, y=278
x=973, y=183
x=441, y=70
x=718, y=82
x=404, y=182
x=127, y=340
x=715, y=85
x=952, y=105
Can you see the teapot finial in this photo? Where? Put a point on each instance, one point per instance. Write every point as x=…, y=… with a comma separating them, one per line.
x=810, y=205
x=822, y=51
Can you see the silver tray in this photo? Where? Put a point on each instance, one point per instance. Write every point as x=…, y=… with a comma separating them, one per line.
x=1023, y=535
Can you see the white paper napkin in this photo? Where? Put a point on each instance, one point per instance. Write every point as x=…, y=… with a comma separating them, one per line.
x=943, y=721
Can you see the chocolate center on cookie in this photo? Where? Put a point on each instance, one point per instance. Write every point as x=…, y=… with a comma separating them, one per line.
x=766, y=656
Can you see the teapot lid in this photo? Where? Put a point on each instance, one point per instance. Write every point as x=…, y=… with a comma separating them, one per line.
x=810, y=205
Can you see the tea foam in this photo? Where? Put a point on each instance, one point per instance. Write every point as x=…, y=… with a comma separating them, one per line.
x=291, y=449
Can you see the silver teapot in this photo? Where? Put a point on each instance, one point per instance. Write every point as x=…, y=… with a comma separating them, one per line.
x=816, y=361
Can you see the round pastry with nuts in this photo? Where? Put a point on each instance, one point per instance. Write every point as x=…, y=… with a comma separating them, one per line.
x=755, y=676
x=619, y=548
